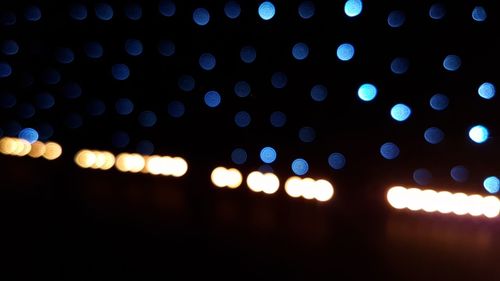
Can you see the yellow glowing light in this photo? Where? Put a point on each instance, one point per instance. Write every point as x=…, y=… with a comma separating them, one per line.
x=218, y=176
x=460, y=206
x=324, y=190
x=85, y=158
x=491, y=206
x=100, y=160
x=308, y=188
x=23, y=147
x=271, y=183
x=135, y=163
x=428, y=201
x=109, y=160
x=254, y=181
x=52, y=151
x=293, y=187
x=444, y=202
x=37, y=149
x=120, y=163
x=233, y=178
x=8, y=145
x=395, y=197
x=179, y=168
x=475, y=205
x=153, y=165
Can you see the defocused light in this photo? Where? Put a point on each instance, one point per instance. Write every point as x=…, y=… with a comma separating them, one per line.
x=207, y=61
x=437, y=11
x=452, y=62
x=307, y=134
x=45, y=100
x=306, y=9
x=400, y=112
x=52, y=151
x=29, y=134
x=180, y=167
x=444, y=202
x=259, y=182
x=120, y=71
x=242, y=119
x=8, y=18
x=96, y=107
x=278, y=119
x=353, y=8
x=78, y=11
x=396, y=19
x=439, y=102
x=124, y=106
x=166, y=48
x=23, y=147
x=145, y=147
x=120, y=139
x=279, y=80
x=51, y=76
x=308, y=188
x=133, y=11
x=85, y=158
x=239, y=156
x=268, y=155
x=186, y=83
x=300, y=51
x=232, y=9
x=167, y=8
x=266, y=10
x=367, y=92
x=300, y=167
x=459, y=173
x=479, y=134
x=176, y=109
x=126, y=162
x=486, y=90
x=133, y=47
x=201, y=16
x=65, y=55
x=37, y=149
x=32, y=13
x=434, y=135
x=93, y=50
x=248, y=54
x=336, y=161
x=422, y=176
x=5, y=70
x=147, y=118
x=400, y=65
x=7, y=100
x=345, y=51
x=103, y=11
x=389, y=151
x=26, y=110
x=222, y=177
x=10, y=47
x=212, y=99
x=242, y=89
x=491, y=184
x=319, y=93
x=479, y=14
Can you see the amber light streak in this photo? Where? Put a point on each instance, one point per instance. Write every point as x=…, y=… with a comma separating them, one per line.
x=21, y=147
x=445, y=202
x=223, y=177
x=308, y=188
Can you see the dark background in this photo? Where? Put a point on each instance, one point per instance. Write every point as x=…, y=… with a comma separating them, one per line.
x=63, y=222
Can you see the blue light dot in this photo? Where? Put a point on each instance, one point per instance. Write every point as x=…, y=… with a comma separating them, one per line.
x=7, y=100
x=74, y=121
x=479, y=14
x=242, y=119
x=93, y=50
x=29, y=134
x=307, y=9
x=300, y=51
x=434, y=135
x=133, y=11
x=396, y=19
x=479, y=134
x=96, y=107
x=10, y=47
x=166, y=48
x=439, y=102
x=319, y=93
x=452, y=62
x=400, y=65
x=242, y=89
x=133, y=47
x=266, y=10
x=345, y=52
x=212, y=99
x=389, y=151
x=279, y=80
x=367, y=92
x=104, y=11
x=65, y=55
x=45, y=131
x=486, y=90
x=145, y=147
x=201, y=16
x=120, y=139
x=32, y=13
x=186, y=83
x=232, y=9
x=422, y=176
x=353, y=8
x=120, y=71
x=459, y=174
x=72, y=90
x=176, y=109
x=307, y=134
x=78, y=11
x=147, y=118
x=167, y=8
x=124, y=106
x=337, y=161
x=278, y=119
x=207, y=61
x=437, y=11
x=268, y=155
x=400, y=112
x=300, y=167
x=26, y=110
x=248, y=54
x=44, y=101
x=51, y=76
x=5, y=70
x=239, y=156
x=8, y=18
x=491, y=184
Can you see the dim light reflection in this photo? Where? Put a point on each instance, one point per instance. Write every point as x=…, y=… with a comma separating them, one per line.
x=444, y=202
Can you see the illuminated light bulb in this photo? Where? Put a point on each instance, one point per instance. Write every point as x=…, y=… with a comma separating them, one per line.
x=396, y=197
x=52, y=151
x=413, y=199
x=270, y=183
x=428, y=200
x=218, y=176
x=324, y=190
x=233, y=178
x=179, y=168
x=308, y=188
x=37, y=149
x=474, y=202
x=293, y=187
x=109, y=160
x=491, y=206
x=255, y=181
x=459, y=204
x=8, y=145
x=85, y=158
x=444, y=202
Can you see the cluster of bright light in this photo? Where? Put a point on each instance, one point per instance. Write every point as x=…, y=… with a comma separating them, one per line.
x=155, y=165
x=321, y=190
x=223, y=177
x=94, y=159
x=21, y=147
x=444, y=202
x=263, y=182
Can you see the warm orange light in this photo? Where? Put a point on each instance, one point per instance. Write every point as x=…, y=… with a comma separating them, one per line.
x=308, y=188
x=52, y=151
x=37, y=149
x=222, y=177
